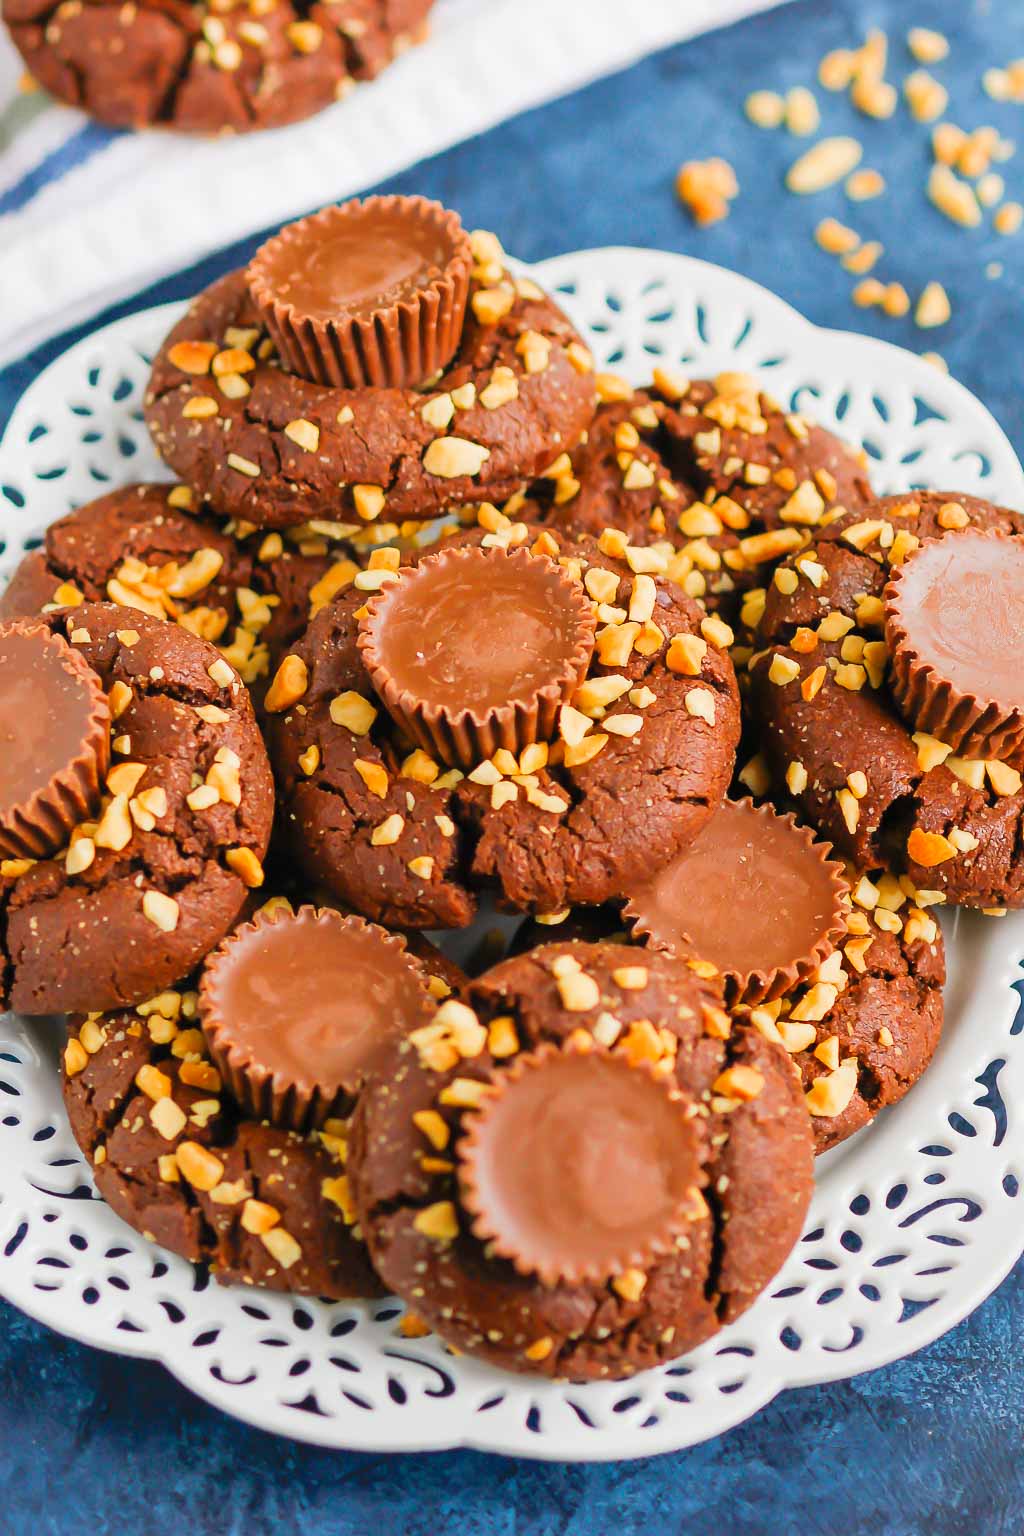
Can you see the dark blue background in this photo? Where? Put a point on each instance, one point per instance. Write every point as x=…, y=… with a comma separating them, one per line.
x=92, y=1443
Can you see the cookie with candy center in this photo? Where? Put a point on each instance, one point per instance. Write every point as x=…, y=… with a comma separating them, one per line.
x=153, y=873
x=278, y=417
x=606, y=749
x=581, y=1171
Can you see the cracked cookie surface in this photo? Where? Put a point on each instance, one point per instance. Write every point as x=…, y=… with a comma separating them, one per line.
x=144, y=548
x=863, y=1029
x=713, y=473
x=139, y=1083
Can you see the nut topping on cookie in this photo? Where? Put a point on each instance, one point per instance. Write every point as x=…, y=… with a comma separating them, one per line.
x=391, y=373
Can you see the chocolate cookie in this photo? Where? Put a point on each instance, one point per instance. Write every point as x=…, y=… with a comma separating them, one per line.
x=177, y=1158
x=592, y=1243
x=713, y=474
x=265, y=444
x=157, y=877
x=143, y=547
x=637, y=765
x=865, y=1028
x=734, y=440
x=861, y=1029
x=208, y=68
x=883, y=793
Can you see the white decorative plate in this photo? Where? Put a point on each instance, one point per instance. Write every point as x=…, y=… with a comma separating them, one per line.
x=913, y=1222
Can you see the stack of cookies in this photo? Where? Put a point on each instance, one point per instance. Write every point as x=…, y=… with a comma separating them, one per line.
x=438, y=617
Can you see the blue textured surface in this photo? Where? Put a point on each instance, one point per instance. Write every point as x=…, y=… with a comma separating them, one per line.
x=91, y=1443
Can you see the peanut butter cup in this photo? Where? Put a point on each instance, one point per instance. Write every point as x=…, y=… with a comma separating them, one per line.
x=954, y=623
x=296, y=1008
x=476, y=649
x=580, y=1166
x=54, y=739
x=369, y=292
x=755, y=895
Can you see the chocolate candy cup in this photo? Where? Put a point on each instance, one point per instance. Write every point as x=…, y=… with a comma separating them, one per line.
x=296, y=1008
x=954, y=623
x=54, y=740
x=755, y=895
x=369, y=292
x=475, y=649
x=579, y=1165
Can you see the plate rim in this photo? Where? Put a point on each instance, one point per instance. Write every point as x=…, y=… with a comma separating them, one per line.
x=888, y=354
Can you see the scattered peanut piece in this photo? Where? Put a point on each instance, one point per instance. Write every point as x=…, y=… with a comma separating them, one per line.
x=765, y=109
x=990, y=189
x=801, y=109
x=836, y=69
x=827, y=162
x=874, y=97
x=896, y=301
x=862, y=261
x=836, y=238
x=1008, y=219
x=926, y=98
x=933, y=307
x=864, y=184
x=869, y=293
x=1005, y=84
x=706, y=188
x=953, y=197
x=928, y=47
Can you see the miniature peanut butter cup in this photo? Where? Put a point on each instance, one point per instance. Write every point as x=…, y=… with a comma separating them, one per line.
x=369, y=292
x=54, y=740
x=298, y=1007
x=475, y=649
x=579, y=1165
x=755, y=895
x=954, y=623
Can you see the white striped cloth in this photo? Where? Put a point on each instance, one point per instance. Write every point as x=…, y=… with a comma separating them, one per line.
x=88, y=216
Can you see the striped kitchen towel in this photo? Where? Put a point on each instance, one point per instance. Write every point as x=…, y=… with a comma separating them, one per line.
x=89, y=215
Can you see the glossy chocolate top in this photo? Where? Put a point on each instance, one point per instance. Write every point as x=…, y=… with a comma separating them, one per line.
x=355, y=260
x=959, y=601
x=750, y=895
x=47, y=710
x=579, y=1166
x=313, y=998
x=477, y=629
